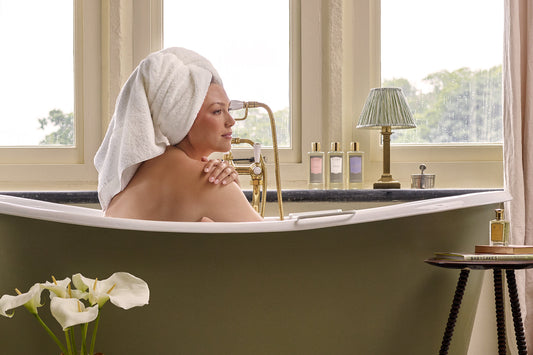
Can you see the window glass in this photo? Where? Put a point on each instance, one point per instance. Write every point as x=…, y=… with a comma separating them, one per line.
x=447, y=57
x=248, y=43
x=36, y=67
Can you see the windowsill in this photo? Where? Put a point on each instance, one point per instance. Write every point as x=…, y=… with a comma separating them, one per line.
x=91, y=197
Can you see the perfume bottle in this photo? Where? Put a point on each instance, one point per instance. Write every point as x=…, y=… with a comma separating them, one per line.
x=499, y=229
x=316, y=167
x=335, y=167
x=354, y=172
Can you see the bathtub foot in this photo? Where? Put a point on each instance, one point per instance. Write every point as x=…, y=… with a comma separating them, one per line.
x=454, y=311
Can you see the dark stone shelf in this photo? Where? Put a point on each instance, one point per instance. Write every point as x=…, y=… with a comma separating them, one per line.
x=81, y=197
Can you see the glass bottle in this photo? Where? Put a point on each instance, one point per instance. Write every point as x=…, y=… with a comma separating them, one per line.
x=499, y=229
x=335, y=171
x=316, y=167
x=354, y=171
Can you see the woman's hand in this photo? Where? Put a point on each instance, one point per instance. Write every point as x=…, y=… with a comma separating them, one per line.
x=220, y=172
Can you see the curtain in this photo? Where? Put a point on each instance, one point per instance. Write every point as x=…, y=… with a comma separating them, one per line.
x=518, y=137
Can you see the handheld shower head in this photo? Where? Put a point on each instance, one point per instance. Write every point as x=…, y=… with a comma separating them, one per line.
x=236, y=105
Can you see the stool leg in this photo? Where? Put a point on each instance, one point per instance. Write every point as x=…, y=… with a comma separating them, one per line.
x=454, y=311
x=500, y=315
x=517, y=317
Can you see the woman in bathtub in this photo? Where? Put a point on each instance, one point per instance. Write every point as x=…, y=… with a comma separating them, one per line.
x=170, y=115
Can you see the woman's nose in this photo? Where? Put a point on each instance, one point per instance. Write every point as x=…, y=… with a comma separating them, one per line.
x=230, y=121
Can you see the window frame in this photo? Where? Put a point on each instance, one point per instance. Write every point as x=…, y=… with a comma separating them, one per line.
x=42, y=167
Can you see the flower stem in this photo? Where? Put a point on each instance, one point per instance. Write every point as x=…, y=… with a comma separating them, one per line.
x=84, y=327
x=52, y=335
x=72, y=340
x=93, y=340
x=67, y=338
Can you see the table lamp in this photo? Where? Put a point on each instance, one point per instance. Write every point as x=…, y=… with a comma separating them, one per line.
x=386, y=108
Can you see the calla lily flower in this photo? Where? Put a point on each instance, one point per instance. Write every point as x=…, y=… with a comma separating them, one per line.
x=31, y=300
x=122, y=289
x=57, y=288
x=62, y=289
x=70, y=311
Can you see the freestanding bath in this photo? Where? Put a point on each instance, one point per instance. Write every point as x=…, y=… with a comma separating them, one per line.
x=349, y=283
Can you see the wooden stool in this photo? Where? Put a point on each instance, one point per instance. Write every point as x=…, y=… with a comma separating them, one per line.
x=497, y=267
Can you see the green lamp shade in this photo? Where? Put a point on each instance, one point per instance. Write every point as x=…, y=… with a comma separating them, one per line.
x=386, y=107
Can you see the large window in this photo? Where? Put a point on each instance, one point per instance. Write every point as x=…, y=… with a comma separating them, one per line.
x=248, y=43
x=447, y=57
x=36, y=67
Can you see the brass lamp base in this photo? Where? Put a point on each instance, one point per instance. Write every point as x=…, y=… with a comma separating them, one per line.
x=387, y=182
x=387, y=185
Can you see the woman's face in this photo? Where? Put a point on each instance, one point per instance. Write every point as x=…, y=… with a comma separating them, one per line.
x=211, y=130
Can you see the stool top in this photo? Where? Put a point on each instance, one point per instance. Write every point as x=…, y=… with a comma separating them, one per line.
x=481, y=264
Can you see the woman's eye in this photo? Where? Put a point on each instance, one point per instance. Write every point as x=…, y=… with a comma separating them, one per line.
x=217, y=112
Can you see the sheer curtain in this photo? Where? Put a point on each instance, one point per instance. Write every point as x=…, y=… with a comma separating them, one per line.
x=518, y=137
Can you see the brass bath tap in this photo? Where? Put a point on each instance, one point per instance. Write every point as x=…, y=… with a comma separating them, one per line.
x=257, y=172
x=237, y=105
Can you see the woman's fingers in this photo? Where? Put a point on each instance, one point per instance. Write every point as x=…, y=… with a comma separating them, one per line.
x=220, y=172
x=232, y=176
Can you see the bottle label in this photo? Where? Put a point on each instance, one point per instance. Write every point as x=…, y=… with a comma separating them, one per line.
x=315, y=173
x=356, y=169
x=316, y=165
x=336, y=165
x=496, y=232
x=335, y=169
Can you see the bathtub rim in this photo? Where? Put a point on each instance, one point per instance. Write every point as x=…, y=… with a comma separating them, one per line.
x=84, y=216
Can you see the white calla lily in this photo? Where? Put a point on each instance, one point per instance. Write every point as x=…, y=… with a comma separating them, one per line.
x=122, y=289
x=62, y=289
x=57, y=288
x=71, y=311
x=31, y=300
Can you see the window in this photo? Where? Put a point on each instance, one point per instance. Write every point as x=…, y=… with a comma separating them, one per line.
x=248, y=44
x=37, y=71
x=63, y=78
x=447, y=58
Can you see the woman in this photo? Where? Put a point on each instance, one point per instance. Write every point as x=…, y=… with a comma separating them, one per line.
x=171, y=114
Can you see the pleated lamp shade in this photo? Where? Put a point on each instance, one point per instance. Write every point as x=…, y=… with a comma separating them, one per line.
x=386, y=107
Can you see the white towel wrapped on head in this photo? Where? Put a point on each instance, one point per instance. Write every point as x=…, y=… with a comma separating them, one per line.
x=155, y=108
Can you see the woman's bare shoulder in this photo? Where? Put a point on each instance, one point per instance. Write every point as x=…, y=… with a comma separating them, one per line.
x=221, y=203
x=180, y=190
x=176, y=164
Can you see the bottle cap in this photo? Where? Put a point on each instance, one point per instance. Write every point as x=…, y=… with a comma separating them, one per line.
x=315, y=146
x=354, y=146
x=499, y=213
x=335, y=147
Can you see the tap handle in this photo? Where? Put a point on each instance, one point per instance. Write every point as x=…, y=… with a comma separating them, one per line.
x=257, y=152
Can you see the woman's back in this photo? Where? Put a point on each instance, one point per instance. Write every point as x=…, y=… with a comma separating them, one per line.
x=173, y=187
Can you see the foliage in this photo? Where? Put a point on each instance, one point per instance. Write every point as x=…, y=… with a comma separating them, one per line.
x=462, y=106
x=257, y=126
x=65, y=128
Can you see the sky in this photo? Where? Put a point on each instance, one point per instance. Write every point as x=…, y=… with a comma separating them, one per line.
x=447, y=37
x=36, y=68
x=247, y=41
